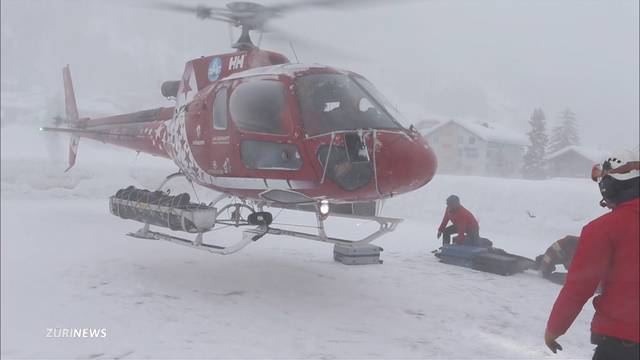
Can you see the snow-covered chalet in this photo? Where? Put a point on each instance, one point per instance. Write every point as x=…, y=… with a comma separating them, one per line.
x=475, y=148
x=574, y=161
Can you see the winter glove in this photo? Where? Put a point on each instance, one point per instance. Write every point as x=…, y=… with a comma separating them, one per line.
x=550, y=340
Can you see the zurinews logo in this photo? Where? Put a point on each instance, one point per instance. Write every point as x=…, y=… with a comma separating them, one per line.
x=76, y=333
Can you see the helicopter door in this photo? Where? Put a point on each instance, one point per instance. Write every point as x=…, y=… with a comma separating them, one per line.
x=258, y=110
x=221, y=138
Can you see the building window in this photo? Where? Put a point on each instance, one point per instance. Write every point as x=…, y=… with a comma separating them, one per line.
x=472, y=140
x=471, y=153
x=490, y=153
x=493, y=150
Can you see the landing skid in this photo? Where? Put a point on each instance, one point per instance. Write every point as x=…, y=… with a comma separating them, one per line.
x=386, y=225
x=212, y=215
x=248, y=236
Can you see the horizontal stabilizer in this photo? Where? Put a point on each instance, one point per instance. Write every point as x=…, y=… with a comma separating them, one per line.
x=84, y=132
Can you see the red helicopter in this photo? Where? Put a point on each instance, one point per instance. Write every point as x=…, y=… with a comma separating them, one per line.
x=263, y=132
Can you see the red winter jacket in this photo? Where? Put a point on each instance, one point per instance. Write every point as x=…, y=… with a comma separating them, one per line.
x=607, y=252
x=462, y=219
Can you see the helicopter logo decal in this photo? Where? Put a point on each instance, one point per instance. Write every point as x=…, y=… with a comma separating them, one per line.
x=215, y=68
x=236, y=62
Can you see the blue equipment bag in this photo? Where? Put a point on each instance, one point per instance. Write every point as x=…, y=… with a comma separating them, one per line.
x=461, y=255
x=497, y=264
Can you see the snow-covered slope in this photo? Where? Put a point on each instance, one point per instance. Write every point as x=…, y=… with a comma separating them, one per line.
x=66, y=263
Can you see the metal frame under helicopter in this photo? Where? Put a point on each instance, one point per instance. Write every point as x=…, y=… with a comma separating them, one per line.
x=206, y=217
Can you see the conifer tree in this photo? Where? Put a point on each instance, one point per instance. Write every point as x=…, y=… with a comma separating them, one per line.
x=535, y=158
x=565, y=133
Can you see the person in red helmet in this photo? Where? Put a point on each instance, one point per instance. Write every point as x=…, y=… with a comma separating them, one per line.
x=463, y=223
x=608, y=253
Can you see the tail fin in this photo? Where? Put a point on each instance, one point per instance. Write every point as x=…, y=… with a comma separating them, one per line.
x=70, y=106
x=73, y=151
x=73, y=118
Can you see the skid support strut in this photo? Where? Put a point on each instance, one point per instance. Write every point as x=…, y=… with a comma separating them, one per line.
x=204, y=218
x=199, y=219
x=385, y=225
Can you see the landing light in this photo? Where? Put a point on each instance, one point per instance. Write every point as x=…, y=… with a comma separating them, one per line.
x=324, y=207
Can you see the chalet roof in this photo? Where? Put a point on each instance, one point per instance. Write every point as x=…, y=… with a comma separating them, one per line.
x=426, y=124
x=490, y=132
x=594, y=155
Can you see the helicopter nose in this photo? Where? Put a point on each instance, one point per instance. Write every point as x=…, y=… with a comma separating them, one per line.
x=403, y=163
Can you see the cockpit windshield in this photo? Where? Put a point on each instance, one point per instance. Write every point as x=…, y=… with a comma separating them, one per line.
x=334, y=102
x=369, y=88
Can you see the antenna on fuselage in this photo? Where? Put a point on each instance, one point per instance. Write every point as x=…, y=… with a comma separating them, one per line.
x=294, y=51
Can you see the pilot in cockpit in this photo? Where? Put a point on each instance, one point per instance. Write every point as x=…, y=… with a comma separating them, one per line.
x=323, y=104
x=336, y=102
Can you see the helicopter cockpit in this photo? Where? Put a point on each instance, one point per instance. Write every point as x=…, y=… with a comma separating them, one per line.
x=338, y=102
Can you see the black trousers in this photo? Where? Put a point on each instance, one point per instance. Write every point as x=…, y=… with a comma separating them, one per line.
x=471, y=235
x=614, y=349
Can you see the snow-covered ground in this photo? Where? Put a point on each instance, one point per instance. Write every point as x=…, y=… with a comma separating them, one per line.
x=66, y=263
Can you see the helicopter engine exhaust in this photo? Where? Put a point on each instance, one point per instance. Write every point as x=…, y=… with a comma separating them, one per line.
x=169, y=89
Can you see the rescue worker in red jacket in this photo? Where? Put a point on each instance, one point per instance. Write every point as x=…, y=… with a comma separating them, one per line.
x=463, y=223
x=608, y=253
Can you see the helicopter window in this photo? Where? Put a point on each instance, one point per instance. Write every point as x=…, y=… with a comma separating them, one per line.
x=266, y=155
x=258, y=106
x=377, y=96
x=220, y=113
x=334, y=102
x=365, y=105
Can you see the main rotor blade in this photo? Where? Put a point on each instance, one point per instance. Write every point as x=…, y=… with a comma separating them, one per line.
x=202, y=12
x=189, y=8
x=285, y=37
x=291, y=6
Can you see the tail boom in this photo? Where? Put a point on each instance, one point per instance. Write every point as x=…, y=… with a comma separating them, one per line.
x=143, y=137
x=141, y=131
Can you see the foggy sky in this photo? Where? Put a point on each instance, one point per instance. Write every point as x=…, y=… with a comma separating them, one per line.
x=494, y=60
